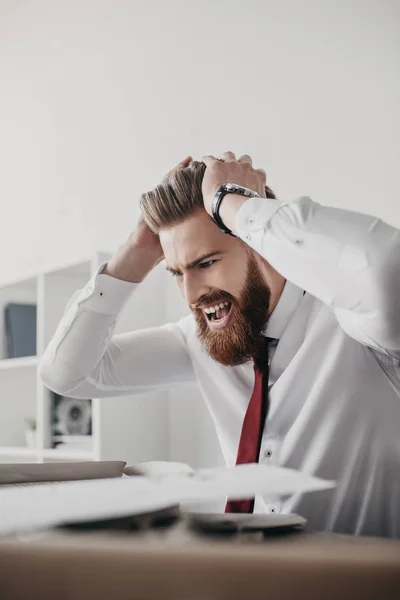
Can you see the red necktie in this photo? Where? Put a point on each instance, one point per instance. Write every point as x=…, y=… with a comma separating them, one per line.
x=252, y=429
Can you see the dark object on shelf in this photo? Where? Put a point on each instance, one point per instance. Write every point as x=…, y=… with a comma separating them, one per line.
x=71, y=416
x=20, y=329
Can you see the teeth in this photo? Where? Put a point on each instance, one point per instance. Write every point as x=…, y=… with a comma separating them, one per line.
x=213, y=309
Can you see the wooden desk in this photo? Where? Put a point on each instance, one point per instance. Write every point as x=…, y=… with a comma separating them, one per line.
x=176, y=564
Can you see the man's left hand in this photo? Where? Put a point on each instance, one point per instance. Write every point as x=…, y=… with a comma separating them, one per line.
x=228, y=169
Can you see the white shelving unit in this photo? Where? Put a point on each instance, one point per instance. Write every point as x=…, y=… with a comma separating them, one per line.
x=19, y=363
x=123, y=428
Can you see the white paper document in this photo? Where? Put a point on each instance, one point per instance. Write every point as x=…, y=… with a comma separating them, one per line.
x=32, y=508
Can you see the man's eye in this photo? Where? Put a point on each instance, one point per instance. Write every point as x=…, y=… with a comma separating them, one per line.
x=176, y=273
x=207, y=264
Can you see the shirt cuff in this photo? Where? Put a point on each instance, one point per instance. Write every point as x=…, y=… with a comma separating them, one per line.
x=254, y=215
x=105, y=294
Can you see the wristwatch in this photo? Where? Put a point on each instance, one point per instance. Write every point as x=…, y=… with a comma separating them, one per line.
x=228, y=188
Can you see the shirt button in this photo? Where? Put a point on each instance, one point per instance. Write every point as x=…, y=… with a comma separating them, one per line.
x=273, y=508
x=269, y=447
x=248, y=237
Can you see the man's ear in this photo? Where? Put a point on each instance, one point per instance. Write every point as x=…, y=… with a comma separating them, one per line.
x=262, y=263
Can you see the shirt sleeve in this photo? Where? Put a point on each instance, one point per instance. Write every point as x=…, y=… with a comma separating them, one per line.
x=85, y=359
x=350, y=261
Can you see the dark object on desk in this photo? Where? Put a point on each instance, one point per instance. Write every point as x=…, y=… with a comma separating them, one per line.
x=207, y=523
x=157, y=518
x=232, y=523
x=20, y=329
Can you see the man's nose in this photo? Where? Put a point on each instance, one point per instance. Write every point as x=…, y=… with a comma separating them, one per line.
x=193, y=289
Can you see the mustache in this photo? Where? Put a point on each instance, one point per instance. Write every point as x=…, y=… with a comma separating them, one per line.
x=212, y=298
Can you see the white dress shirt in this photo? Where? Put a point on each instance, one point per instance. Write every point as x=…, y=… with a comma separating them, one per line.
x=334, y=375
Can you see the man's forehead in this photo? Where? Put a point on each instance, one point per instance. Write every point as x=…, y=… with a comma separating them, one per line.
x=185, y=242
x=188, y=255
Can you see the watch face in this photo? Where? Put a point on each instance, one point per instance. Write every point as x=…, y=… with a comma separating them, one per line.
x=238, y=189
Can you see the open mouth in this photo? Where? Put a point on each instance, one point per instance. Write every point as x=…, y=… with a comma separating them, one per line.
x=219, y=313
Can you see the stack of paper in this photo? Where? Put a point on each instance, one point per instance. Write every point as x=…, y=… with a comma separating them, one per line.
x=26, y=509
x=31, y=473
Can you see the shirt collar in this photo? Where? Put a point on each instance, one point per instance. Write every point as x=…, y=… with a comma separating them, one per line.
x=285, y=307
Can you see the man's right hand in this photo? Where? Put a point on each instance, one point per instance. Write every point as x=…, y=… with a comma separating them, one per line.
x=141, y=252
x=137, y=256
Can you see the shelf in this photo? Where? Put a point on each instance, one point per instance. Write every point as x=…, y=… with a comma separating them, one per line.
x=23, y=395
x=46, y=453
x=19, y=363
x=18, y=451
x=67, y=454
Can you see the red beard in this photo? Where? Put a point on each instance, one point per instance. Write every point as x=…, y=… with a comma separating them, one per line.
x=243, y=339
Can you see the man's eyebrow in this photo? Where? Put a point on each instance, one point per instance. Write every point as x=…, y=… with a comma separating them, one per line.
x=197, y=261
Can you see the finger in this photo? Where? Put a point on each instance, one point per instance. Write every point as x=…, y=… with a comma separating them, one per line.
x=245, y=158
x=264, y=173
x=209, y=160
x=227, y=156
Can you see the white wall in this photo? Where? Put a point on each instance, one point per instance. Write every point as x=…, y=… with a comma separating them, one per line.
x=100, y=97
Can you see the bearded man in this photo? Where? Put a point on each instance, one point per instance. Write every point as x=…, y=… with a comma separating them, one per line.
x=293, y=340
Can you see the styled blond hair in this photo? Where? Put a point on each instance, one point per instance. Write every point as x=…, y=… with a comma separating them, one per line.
x=177, y=197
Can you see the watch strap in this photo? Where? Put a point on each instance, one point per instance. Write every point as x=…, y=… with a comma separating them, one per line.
x=227, y=188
